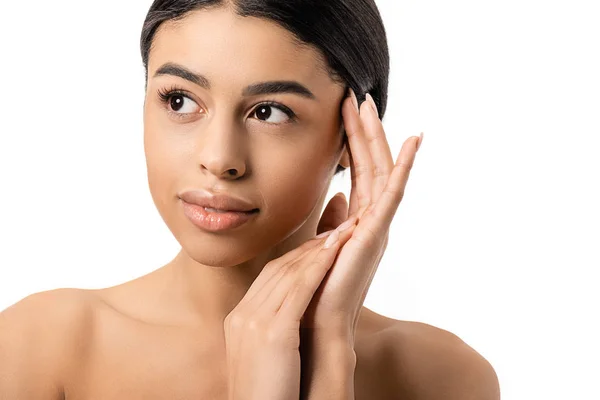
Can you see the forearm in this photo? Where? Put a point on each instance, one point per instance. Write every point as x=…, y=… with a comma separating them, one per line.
x=327, y=369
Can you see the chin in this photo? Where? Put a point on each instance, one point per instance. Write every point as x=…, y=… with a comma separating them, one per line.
x=221, y=251
x=215, y=260
x=257, y=238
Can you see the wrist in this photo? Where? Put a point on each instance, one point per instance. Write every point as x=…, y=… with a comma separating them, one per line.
x=328, y=348
x=328, y=371
x=329, y=337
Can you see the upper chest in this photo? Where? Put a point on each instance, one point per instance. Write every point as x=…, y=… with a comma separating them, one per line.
x=125, y=359
x=122, y=358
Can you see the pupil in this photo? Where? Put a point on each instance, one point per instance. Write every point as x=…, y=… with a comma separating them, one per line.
x=176, y=102
x=264, y=111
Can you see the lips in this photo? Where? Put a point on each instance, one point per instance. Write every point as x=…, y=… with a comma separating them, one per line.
x=218, y=202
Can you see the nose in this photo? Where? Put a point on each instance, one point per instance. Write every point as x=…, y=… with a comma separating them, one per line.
x=222, y=150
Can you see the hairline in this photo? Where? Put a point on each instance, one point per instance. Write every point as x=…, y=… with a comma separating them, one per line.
x=174, y=22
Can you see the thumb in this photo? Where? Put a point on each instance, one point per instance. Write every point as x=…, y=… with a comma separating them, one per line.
x=334, y=214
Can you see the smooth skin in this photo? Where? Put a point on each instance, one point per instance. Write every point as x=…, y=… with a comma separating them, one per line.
x=262, y=333
x=161, y=336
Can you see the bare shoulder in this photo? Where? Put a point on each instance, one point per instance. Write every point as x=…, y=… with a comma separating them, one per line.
x=49, y=313
x=419, y=361
x=38, y=340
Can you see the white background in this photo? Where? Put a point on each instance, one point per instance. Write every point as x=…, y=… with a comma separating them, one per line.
x=496, y=240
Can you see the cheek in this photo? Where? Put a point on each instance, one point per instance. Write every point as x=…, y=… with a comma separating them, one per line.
x=164, y=169
x=292, y=181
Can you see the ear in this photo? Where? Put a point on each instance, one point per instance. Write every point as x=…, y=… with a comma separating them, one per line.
x=345, y=157
x=344, y=160
x=334, y=214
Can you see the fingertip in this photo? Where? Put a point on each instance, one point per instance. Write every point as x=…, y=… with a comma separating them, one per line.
x=332, y=239
x=347, y=224
x=324, y=234
x=372, y=104
x=354, y=99
x=419, y=141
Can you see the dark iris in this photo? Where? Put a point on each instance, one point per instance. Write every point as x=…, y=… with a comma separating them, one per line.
x=176, y=102
x=262, y=111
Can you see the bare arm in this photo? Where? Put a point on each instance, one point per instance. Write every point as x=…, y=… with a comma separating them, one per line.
x=34, y=335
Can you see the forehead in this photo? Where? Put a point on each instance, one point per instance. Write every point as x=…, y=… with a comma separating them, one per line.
x=228, y=48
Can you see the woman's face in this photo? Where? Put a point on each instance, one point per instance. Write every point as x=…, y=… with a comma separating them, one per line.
x=192, y=138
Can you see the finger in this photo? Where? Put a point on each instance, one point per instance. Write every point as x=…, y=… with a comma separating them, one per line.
x=275, y=266
x=265, y=292
x=381, y=214
x=291, y=267
x=334, y=214
x=360, y=158
x=298, y=293
x=364, y=247
x=383, y=162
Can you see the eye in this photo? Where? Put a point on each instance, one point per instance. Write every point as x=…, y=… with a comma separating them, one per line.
x=178, y=101
x=183, y=104
x=277, y=113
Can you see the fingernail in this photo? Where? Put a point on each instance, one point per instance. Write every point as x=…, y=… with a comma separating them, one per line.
x=346, y=224
x=332, y=239
x=354, y=100
x=420, y=141
x=322, y=235
x=373, y=105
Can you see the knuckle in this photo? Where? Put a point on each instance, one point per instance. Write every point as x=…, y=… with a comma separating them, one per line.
x=366, y=209
x=372, y=137
x=273, y=335
x=372, y=237
x=362, y=169
x=234, y=321
x=271, y=265
x=367, y=238
x=370, y=209
x=302, y=280
x=283, y=268
x=407, y=165
x=380, y=172
x=299, y=286
x=255, y=325
x=397, y=195
x=363, y=198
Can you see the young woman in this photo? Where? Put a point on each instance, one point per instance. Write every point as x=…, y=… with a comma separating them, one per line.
x=250, y=111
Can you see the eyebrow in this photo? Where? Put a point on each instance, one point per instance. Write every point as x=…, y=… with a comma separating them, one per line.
x=269, y=87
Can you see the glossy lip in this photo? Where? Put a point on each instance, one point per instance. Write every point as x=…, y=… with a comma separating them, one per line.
x=223, y=202
x=215, y=221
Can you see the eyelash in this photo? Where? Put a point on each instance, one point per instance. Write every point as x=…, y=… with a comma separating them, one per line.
x=166, y=94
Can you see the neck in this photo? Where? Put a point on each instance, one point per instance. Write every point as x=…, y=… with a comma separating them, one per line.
x=208, y=292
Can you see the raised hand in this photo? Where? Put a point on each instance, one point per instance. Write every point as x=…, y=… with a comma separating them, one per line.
x=377, y=189
x=262, y=333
